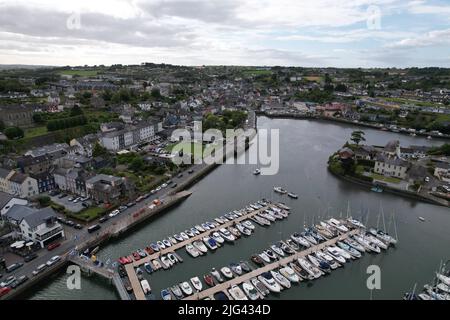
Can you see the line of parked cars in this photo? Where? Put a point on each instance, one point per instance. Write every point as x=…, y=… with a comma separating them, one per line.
x=69, y=223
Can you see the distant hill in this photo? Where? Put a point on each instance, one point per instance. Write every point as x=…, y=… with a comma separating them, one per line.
x=21, y=66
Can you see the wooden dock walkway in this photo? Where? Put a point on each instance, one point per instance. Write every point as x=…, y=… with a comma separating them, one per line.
x=198, y=237
x=135, y=283
x=282, y=262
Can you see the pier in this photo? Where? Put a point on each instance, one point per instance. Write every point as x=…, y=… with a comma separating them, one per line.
x=282, y=262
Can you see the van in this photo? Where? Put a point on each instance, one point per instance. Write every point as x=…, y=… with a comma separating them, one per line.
x=94, y=228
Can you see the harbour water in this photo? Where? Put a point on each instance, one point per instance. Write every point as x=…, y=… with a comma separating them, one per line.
x=304, y=150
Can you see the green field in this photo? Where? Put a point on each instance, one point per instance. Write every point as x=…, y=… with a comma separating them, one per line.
x=387, y=179
x=411, y=101
x=35, y=132
x=89, y=214
x=256, y=72
x=81, y=73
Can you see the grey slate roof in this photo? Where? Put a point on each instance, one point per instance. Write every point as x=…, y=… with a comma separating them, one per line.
x=18, y=212
x=38, y=217
x=4, y=199
x=4, y=173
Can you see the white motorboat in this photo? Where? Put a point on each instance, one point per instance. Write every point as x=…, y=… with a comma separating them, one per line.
x=291, y=243
x=366, y=244
x=355, y=245
x=281, y=279
x=217, y=275
x=292, y=195
x=336, y=255
x=267, y=216
x=443, y=287
x=309, y=237
x=250, y=291
x=277, y=250
x=235, y=232
x=236, y=268
x=186, y=288
x=324, y=231
x=156, y=265
x=167, y=243
x=356, y=223
x=328, y=259
x=279, y=190
x=257, y=172
x=338, y=225
x=267, y=279
x=226, y=272
x=200, y=246
x=289, y=274
x=329, y=228
x=352, y=251
x=218, y=238
x=376, y=241
x=243, y=229
x=173, y=240
x=309, y=268
x=443, y=278
x=146, y=287
x=227, y=235
x=177, y=291
x=172, y=258
x=160, y=245
x=261, y=221
x=195, y=231
x=265, y=257
x=199, y=228
x=196, y=283
x=300, y=240
x=184, y=236
x=192, y=250
x=210, y=243
x=166, y=261
x=178, y=237
x=205, y=226
x=236, y=293
x=190, y=233
x=386, y=237
x=248, y=225
x=345, y=253
x=262, y=289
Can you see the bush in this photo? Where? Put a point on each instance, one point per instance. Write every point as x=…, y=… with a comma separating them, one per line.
x=14, y=133
x=44, y=201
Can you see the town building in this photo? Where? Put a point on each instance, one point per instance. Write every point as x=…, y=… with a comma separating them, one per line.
x=391, y=166
x=16, y=115
x=130, y=136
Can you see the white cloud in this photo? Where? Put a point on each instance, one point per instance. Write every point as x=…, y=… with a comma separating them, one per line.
x=432, y=38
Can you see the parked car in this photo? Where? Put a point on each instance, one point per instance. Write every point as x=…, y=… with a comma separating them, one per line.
x=94, y=228
x=39, y=269
x=174, y=185
x=191, y=171
x=84, y=204
x=78, y=226
x=103, y=219
x=70, y=198
x=8, y=281
x=53, y=246
x=62, y=195
x=180, y=175
x=53, y=260
x=30, y=257
x=70, y=223
x=19, y=281
x=164, y=185
x=130, y=204
x=114, y=213
x=427, y=179
x=13, y=267
x=123, y=208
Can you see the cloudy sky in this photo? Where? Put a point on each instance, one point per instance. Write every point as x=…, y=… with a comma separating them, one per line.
x=340, y=33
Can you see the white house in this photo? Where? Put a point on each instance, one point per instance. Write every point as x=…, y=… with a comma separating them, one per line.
x=391, y=166
x=7, y=201
x=18, y=184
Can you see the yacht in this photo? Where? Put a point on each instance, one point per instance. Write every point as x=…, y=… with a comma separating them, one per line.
x=248, y=225
x=209, y=280
x=236, y=268
x=156, y=265
x=444, y=279
x=172, y=258
x=189, y=233
x=148, y=268
x=383, y=236
x=154, y=246
x=200, y=246
x=267, y=216
x=227, y=272
x=145, y=287
x=210, y=243
x=173, y=240
x=335, y=254
x=226, y=235
x=288, y=250
x=261, y=221
x=236, y=293
x=205, y=226
x=279, y=190
x=313, y=271
x=186, y=288
x=293, y=195
x=290, y=274
x=166, y=261
x=250, y=291
x=309, y=237
x=292, y=244
x=264, y=257
x=356, y=223
x=141, y=252
x=366, y=244
x=376, y=241
x=196, y=283
x=184, y=236
x=328, y=259
x=324, y=232
x=165, y=294
x=337, y=224
x=281, y=279
x=245, y=266
x=235, y=232
x=224, y=219
x=243, y=229
x=177, y=291
x=275, y=248
x=199, y=228
x=355, y=245
x=300, y=272
x=192, y=250
x=219, y=221
x=167, y=243
x=341, y=252
x=267, y=279
x=160, y=245
x=355, y=253
x=217, y=275
x=178, y=237
x=195, y=231
x=271, y=254
x=300, y=240
x=218, y=238
x=262, y=289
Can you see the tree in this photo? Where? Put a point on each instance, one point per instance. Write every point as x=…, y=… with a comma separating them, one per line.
x=99, y=150
x=137, y=164
x=155, y=93
x=76, y=111
x=14, y=133
x=44, y=201
x=38, y=118
x=358, y=136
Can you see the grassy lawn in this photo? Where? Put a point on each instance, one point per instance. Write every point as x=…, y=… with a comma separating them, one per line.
x=256, y=72
x=386, y=179
x=89, y=214
x=81, y=73
x=35, y=132
x=314, y=78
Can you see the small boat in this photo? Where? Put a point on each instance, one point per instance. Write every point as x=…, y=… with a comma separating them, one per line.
x=267, y=279
x=189, y=233
x=235, y=232
x=148, y=268
x=236, y=293
x=224, y=219
x=327, y=258
x=281, y=279
x=257, y=172
x=261, y=221
x=318, y=263
x=167, y=243
x=309, y=268
x=336, y=255
x=156, y=265
x=264, y=257
x=226, y=272
x=344, y=253
x=270, y=254
x=257, y=260
x=356, y=223
x=219, y=221
x=293, y=195
x=166, y=261
x=173, y=240
x=211, y=225
x=279, y=190
x=200, y=246
x=236, y=268
x=209, y=280
x=199, y=228
x=309, y=237
x=376, y=242
x=262, y=289
x=210, y=243
x=161, y=245
x=243, y=229
x=226, y=235
x=165, y=294
x=186, y=288
x=377, y=189
x=282, y=206
x=325, y=232
x=149, y=250
x=337, y=224
x=385, y=237
x=196, y=283
x=184, y=236
x=289, y=274
x=192, y=250
x=195, y=231
x=300, y=272
x=300, y=240
x=352, y=251
x=292, y=244
x=136, y=256
x=288, y=250
x=218, y=238
x=355, y=245
x=275, y=248
x=267, y=216
x=217, y=275
x=366, y=244
x=250, y=291
x=248, y=225
x=146, y=287
x=178, y=237
x=172, y=258
x=422, y=219
x=444, y=279
x=245, y=266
